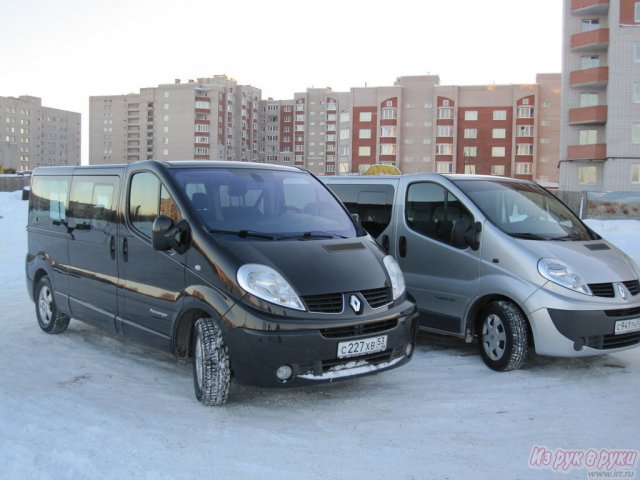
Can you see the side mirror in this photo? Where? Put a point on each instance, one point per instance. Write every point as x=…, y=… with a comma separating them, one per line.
x=466, y=235
x=165, y=235
x=355, y=217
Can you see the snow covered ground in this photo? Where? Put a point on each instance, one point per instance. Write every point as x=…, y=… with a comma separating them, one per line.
x=86, y=405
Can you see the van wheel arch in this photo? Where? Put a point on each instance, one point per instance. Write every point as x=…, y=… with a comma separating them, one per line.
x=474, y=320
x=183, y=331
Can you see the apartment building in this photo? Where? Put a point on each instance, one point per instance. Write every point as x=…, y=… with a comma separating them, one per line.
x=600, y=134
x=32, y=135
x=204, y=119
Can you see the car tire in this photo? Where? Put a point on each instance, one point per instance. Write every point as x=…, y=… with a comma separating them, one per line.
x=503, y=336
x=211, y=367
x=49, y=318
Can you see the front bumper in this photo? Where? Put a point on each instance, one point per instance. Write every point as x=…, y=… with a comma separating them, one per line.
x=312, y=355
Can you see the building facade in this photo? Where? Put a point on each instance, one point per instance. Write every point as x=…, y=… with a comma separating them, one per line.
x=32, y=135
x=208, y=119
x=600, y=135
x=416, y=125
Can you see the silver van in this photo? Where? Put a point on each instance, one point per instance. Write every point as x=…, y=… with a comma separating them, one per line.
x=502, y=261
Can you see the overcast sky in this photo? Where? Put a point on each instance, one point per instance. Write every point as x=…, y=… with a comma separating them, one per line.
x=65, y=51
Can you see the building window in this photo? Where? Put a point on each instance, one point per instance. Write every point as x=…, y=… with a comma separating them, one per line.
x=364, y=133
x=635, y=133
x=589, y=24
x=471, y=115
x=524, y=131
x=388, y=131
x=345, y=117
x=497, y=169
x=588, y=137
x=636, y=17
x=636, y=51
x=364, y=151
x=587, y=175
x=445, y=113
x=636, y=93
x=344, y=134
x=498, y=151
x=523, y=168
x=389, y=114
x=365, y=116
x=499, y=114
x=470, y=133
x=445, y=131
x=388, y=149
x=499, y=133
x=588, y=99
x=444, y=167
x=470, y=169
x=524, y=149
x=444, y=149
x=525, y=112
x=590, y=61
x=470, y=152
x=635, y=173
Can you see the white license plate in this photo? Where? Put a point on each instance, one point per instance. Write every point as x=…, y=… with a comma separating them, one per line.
x=355, y=348
x=626, y=326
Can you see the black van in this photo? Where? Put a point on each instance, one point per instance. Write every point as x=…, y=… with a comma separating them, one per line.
x=256, y=271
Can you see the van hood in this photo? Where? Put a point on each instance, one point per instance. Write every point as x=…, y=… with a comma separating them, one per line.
x=595, y=261
x=315, y=267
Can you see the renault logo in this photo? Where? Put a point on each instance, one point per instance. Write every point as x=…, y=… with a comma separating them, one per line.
x=355, y=304
x=622, y=291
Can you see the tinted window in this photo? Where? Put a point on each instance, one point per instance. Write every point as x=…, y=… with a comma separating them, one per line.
x=275, y=202
x=372, y=203
x=148, y=199
x=433, y=211
x=48, y=202
x=92, y=206
x=525, y=210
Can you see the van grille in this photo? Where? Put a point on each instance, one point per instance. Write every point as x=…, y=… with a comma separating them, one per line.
x=607, y=342
x=328, y=303
x=607, y=289
x=602, y=289
x=359, y=330
x=623, y=312
x=633, y=286
x=320, y=367
x=378, y=297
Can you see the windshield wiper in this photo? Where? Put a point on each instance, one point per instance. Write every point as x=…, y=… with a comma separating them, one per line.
x=530, y=236
x=569, y=238
x=246, y=234
x=310, y=236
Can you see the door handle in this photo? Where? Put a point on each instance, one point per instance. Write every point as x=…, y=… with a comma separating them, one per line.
x=402, y=245
x=384, y=242
x=125, y=249
x=112, y=247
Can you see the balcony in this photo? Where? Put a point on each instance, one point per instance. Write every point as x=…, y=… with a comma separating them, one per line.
x=595, y=40
x=596, y=151
x=595, y=115
x=590, y=77
x=589, y=7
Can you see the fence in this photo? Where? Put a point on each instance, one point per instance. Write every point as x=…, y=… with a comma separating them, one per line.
x=11, y=183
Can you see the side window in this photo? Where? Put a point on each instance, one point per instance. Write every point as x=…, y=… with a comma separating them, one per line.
x=148, y=199
x=372, y=203
x=433, y=211
x=48, y=202
x=91, y=207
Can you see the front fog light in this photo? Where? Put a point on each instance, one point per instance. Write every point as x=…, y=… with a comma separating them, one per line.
x=408, y=349
x=284, y=373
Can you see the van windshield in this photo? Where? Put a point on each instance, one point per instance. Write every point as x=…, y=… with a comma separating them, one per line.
x=524, y=210
x=264, y=204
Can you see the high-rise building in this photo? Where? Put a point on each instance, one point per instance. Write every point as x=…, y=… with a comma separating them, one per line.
x=208, y=119
x=415, y=125
x=32, y=135
x=600, y=134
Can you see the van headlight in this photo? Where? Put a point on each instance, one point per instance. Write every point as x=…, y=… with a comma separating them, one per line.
x=265, y=283
x=395, y=274
x=560, y=273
